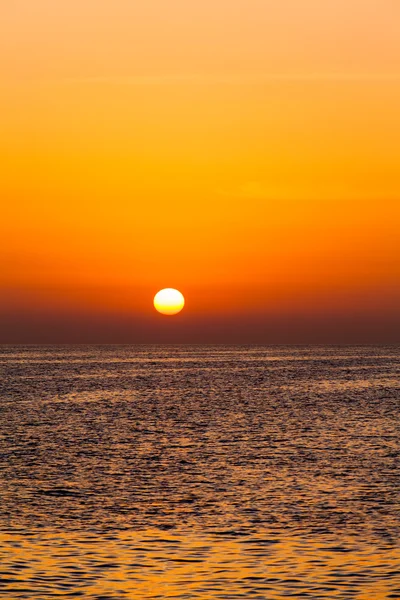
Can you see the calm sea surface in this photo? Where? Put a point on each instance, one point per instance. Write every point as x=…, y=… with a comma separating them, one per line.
x=199, y=472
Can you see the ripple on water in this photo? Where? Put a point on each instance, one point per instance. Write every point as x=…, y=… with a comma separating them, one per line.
x=199, y=472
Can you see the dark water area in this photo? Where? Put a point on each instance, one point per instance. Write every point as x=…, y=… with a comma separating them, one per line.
x=206, y=472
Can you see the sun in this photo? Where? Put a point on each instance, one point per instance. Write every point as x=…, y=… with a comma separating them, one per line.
x=169, y=301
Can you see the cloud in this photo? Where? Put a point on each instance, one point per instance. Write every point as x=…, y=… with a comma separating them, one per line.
x=235, y=79
x=307, y=190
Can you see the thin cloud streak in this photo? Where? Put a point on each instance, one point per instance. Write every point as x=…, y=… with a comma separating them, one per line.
x=208, y=79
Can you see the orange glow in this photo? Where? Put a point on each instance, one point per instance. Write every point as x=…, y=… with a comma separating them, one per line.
x=221, y=559
x=246, y=151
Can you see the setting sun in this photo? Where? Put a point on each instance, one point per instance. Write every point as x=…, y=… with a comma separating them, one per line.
x=169, y=301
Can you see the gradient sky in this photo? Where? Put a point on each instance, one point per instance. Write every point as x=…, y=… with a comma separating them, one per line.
x=245, y=152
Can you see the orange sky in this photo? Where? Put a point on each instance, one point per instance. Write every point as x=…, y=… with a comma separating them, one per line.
x=244, y=152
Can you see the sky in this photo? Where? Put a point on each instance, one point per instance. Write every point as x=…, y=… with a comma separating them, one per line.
x=245, y=152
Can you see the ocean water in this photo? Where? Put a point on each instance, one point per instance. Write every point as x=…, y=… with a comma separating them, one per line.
x=152, y=472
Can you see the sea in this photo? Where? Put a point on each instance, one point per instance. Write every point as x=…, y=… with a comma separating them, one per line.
x=207, y=472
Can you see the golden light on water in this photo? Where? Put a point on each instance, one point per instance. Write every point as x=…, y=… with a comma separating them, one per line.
x=169, y=301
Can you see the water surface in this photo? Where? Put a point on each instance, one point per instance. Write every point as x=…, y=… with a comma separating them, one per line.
x=199, y=472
